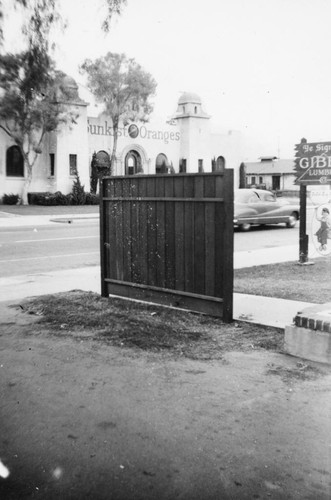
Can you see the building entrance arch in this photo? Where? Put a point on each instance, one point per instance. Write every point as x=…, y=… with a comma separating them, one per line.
x=102, y=159
x=133, y=164
x=161, y=164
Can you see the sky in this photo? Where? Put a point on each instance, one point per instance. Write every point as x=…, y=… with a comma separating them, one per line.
x=261, y=67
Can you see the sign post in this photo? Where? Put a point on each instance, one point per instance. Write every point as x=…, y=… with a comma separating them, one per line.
x=312, y=166
x=303, y=237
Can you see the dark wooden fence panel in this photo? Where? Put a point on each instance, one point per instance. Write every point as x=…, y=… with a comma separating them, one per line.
x=169, y=239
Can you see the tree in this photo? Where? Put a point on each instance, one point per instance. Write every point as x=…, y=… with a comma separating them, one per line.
x=29, y=85
x=113, y=7
x=42, y=7
x=123, y=87
x=30, y=104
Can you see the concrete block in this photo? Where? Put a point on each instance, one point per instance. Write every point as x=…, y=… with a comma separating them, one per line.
x=314, y=345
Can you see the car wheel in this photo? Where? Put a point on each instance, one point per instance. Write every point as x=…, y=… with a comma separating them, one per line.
x=292, y=220
x=245, y=227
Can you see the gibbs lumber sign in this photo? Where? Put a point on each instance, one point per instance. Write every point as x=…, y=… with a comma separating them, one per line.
x=313, y=162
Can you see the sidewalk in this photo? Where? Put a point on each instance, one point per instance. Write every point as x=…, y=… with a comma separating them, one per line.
x=251, y=308
x=255, y=309
x=12, y=220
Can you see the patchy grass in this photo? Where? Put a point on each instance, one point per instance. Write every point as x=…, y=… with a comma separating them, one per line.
x=123, y=323
x=287, y=280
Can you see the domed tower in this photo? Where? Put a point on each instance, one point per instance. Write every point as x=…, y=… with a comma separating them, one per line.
x=69, y=144
x=193, y=122
x=66, y=89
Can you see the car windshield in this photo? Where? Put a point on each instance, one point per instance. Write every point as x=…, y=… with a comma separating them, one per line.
x=243, y=196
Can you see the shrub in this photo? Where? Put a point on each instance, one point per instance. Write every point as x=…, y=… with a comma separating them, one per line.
x=75, y=198
x=11, y=199
x=92, y=199
x=78, y=193
x=62, y=199
x=45, y=198
x=37, y=198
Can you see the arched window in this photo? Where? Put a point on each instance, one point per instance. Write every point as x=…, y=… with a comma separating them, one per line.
x=14, y=162
x=195, y=109
x=132, y=163
x=220, y=164
x=161, y=164
x=102, y=159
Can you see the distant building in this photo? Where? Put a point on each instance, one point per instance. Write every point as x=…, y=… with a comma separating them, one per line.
x=270, y=173
x=184, y=143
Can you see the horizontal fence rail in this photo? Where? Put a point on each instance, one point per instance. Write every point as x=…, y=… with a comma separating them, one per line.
x=169, y=239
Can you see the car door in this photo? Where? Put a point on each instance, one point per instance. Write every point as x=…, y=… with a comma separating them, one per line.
x=252, y=209
x=270, y=208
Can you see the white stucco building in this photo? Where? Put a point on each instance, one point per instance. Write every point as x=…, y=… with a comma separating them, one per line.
x=185, y=143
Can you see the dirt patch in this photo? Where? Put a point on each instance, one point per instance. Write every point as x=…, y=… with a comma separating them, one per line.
x=146, y=327
x=299, y=372
x=107, y=399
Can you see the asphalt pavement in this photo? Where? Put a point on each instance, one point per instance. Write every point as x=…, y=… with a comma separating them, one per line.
x=255, y=309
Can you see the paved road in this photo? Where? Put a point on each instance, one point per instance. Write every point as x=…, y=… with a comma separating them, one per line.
x=60, y=246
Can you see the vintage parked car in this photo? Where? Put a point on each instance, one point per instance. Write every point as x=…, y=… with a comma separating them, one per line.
x=258, y=206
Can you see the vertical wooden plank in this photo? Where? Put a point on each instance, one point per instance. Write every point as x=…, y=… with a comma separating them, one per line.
x=168, y=186
x=126, y=187
x=209, y=186
x=159, y=186
x=199, y=247
x=150, y=187
x=170, y=253
x=219, y=249
x=188, y=186
x=110, y=240
x=118, y=230
x=179, y=246
x=160, y=241
x=127, y=237
x=135, y=271
x=228, y=247
x=133, y=187
x=210, y=248
x=151, y=253
x=219, y=184
x=198, y=186
x=152, y=257
x=110, y=187
x=178, y=187
x=189, y=249
x=142, y=240
x=104, y=292
x=126, y=229
x=141, y=186
x=179, y=214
